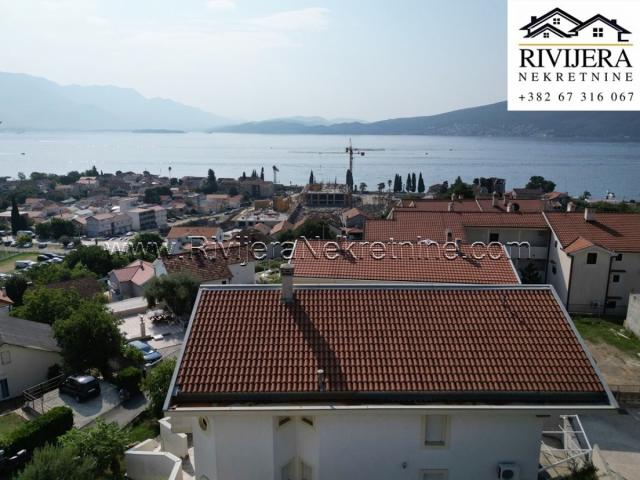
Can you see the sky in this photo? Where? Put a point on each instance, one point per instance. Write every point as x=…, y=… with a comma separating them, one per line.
x=259, y=59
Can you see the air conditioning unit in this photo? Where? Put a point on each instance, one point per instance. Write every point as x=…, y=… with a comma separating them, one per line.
x=508, y=471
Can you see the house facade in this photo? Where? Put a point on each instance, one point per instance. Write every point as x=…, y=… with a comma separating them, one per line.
x=345, y=381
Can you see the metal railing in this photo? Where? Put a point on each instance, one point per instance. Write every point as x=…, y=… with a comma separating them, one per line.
x=34, y=396
x=575, y=448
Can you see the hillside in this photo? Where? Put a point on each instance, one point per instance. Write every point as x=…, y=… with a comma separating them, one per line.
x=487, y=120
x=33, y=103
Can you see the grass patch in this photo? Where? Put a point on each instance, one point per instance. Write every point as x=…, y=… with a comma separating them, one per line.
x=10, y=422
x=599, y=330
x=9, y=259
x=144, y=427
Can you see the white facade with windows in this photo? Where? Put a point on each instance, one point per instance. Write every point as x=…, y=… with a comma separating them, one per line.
x=361, y=443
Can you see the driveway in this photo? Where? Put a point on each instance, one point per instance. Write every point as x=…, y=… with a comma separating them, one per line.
x=89, y=410
x=618, y=436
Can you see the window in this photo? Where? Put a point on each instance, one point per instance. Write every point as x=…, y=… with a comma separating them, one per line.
x=494, y=237
x=598, y=32
x=204, y=423
x=545, y=34
x=555, y=244
x=592, y=258
x=556, y=20
x=436, y=430
x=434, y=474
x=616, y=279
x=611, y=304
x=4, y=388
x=619, y=257
x=5, y=357
x=554, y=270
x=307, y=420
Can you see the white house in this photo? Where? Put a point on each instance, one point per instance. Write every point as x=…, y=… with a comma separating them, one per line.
x=594, y=260
x=27, y=350
x=377, y=381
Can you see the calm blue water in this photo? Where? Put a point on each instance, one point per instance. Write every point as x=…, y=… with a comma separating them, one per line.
x=575, y=166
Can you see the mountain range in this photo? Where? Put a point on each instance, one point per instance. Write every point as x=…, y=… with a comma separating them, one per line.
x=34, y=103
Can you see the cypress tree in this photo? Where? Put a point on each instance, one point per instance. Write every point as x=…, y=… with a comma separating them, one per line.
x=420, y=184
x=312, y=179
x=350, y=180
x=407, y=186
x=261, y=173
x=413, y=182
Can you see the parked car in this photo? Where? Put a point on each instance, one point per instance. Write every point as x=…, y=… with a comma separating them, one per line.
x=43, y=244
x=80, y=387
x=43, y=258
x=7, y=243
x=151, y=356
x=23, y=264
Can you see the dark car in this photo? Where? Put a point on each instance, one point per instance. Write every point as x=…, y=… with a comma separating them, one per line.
x=81, y=387
x=150, y=355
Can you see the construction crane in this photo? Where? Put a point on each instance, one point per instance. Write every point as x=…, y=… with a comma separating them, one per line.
x=275, y=174
x=350, y=150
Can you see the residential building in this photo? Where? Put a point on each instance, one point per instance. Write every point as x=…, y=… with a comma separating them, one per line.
x=318, y=261
x=377, y=381
x=148, y=218
x=326, y=196
x=130, y=281
x=100, y=225
x=27, y=350
x=180, y=237
x=594, y=260
x=251, y=217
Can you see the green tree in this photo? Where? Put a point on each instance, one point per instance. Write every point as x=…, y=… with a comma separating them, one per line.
x=529, y=274
x=312, y=179
x=542, y=183
x=312, y=228
x=157, y=383
x=413, y=182
x=261, y=173
x=177, y=291
x=211, y=183
x=407, y=185
x=363, y=186
x=89, y=338
x=16, y=286
x=350, y=180
x=46, y=305
x=146, y=246
x=104, y=443
x=459, y=188
x=421, y=187
x=18, y=222
x=96, y=259
x=55, y=462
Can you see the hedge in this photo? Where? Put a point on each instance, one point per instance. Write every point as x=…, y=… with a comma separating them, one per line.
x=44, y=429
x=129, y=378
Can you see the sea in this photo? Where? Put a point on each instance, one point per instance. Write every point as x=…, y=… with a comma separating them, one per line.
x=574, y=165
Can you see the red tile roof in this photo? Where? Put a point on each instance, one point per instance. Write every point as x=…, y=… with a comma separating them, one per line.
x=472, y=205
x=138, y=272
x=411, y=225
x=401, y=263
x=205, y=269
x=376, y=343
x=618, y=232
x=182, y=232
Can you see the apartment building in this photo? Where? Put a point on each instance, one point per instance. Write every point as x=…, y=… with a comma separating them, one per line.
x=148, y=218
x=594, y=260
x=377, y=381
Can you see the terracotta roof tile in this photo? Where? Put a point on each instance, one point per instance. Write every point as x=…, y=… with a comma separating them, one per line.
x=205, y=269
x=618, y=232
x=181, y=232
x=427, y=340
x=408, y=263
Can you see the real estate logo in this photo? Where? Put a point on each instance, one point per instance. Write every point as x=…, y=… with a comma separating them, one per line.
x=578, y=55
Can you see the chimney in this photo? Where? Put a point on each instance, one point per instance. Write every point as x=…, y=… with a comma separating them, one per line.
x=286, y=274
x=571, y=207
x=453, y=197
x=509, y=207
x=493, y=199
x=588, y=215
x=504, y=199
x=450, y=207
x=458, y=244
x=321, y=383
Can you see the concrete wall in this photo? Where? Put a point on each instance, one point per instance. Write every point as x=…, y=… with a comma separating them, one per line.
x=562, y=263
x=628, y=271
x=589, y=282
x=632, y=321
x=343, y=445
x=174, y=443
x=27, y=367
x=143, y=463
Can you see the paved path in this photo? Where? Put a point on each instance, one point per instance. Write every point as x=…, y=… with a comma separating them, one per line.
x=126, y=412
x=618, y=437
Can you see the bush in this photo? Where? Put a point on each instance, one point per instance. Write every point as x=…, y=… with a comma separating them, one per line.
x=129, y=378
x=36, y=433
x=51, y=462
x=157, y=383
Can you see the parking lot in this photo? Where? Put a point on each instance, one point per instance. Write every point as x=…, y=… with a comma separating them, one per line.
x=87, y=411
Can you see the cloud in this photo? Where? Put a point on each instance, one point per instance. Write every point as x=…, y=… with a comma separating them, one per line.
x=221, y=5
x=313, y=18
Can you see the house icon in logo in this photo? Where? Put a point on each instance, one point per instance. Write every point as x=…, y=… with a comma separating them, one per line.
x=559, y=25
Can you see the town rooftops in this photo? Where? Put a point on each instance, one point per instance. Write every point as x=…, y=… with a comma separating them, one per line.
x=473, y=205
x=203, y=268
x=138, y=272
x=400, y=263
x=616, y=232
x=182, y=232
x=414, y=225
x=25, y=333
x=352, y=213
x=384, y=344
